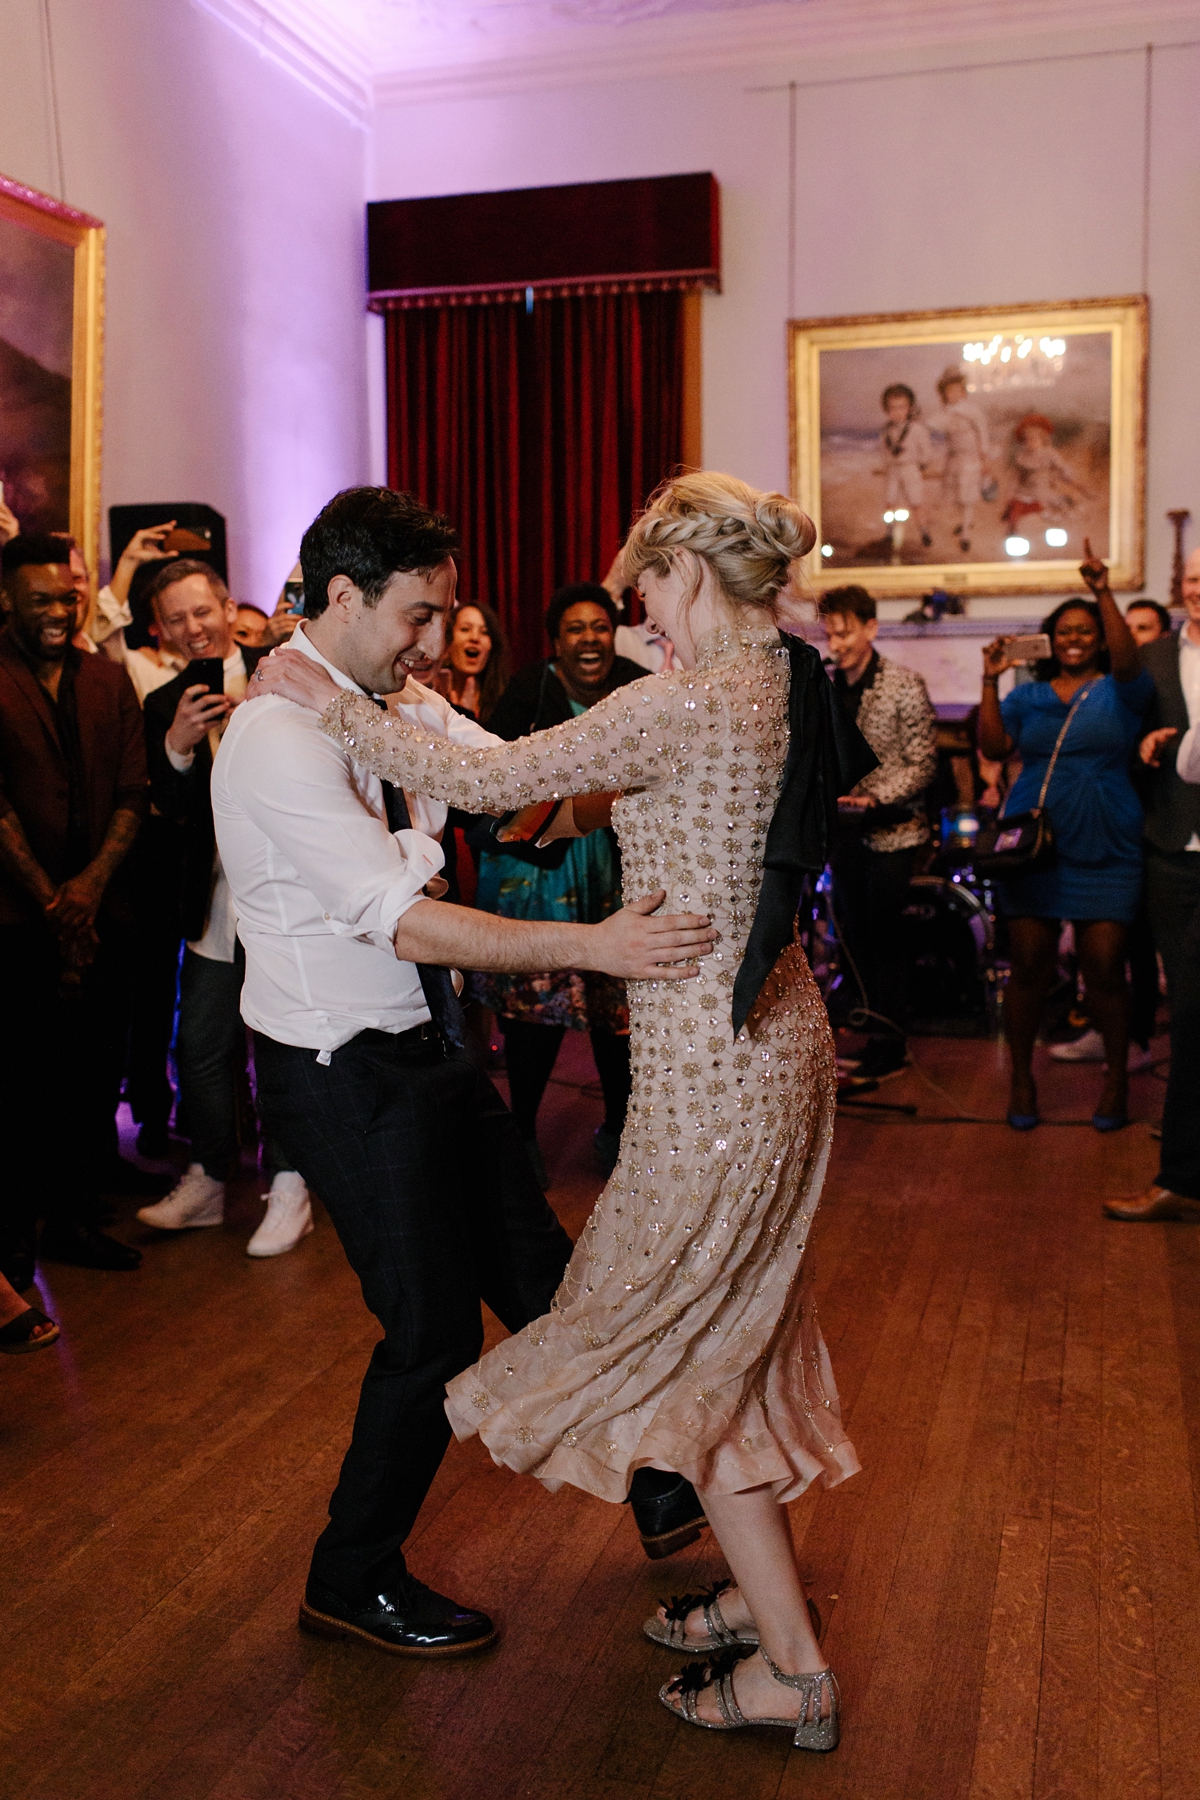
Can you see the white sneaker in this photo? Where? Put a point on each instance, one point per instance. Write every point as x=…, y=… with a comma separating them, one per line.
x=289, y=1217
x=1088, y=1048
x=198, y=1200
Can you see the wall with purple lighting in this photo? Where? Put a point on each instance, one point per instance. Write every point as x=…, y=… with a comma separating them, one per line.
x=938, y=177
x=235, y=368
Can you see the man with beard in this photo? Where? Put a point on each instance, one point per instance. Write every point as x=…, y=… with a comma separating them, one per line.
x=72, y=796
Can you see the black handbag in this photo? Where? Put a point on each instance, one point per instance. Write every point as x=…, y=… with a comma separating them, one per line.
x=1024, y=843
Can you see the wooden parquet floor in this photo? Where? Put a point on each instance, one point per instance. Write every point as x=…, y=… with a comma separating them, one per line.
x=1011, y=1587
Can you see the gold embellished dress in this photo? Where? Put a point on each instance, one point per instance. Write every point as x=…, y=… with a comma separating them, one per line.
x=683, y=1336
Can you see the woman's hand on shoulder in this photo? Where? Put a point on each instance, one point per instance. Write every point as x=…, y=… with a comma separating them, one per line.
x=293, y=676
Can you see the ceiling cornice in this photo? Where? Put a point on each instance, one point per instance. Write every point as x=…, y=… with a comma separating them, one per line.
x=705, y=42
x=303, y=39
x=337, y=49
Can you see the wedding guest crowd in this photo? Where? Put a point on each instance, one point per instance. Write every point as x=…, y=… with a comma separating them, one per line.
x=118, y=939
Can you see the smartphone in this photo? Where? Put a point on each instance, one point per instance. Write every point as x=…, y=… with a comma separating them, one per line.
x=293, y=593
x=1034, y=648
x=209, y=672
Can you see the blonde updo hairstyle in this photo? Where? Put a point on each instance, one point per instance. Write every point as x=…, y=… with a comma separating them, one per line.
x=748, y=539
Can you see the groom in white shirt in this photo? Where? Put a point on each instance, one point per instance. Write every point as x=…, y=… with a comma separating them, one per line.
x=411, y=1149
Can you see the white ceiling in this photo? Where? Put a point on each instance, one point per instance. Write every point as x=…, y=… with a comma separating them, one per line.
x=363, y=52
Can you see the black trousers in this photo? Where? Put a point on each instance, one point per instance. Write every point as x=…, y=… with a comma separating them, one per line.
x=1179, y=1167
x=530, y=1052
x=870, y=888
x=154, y=878
x=422, y=1170
x=61, y=1056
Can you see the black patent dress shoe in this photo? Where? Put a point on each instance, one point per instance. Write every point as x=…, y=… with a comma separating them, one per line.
x=408, y=1620
x=86, y=1248
x=667, y=1511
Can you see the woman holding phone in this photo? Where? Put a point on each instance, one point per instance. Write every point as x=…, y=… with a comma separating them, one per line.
x=1089, y=699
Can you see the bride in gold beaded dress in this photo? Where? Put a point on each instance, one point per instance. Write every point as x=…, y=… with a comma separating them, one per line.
x=683, y=1336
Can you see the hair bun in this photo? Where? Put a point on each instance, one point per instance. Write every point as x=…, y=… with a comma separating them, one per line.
x=788, y=530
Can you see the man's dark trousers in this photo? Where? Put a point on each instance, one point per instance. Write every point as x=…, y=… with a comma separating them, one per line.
x=1179, y=1167
x=422, y=1170
x=870, y=890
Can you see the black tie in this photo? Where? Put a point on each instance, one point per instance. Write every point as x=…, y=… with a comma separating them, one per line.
x=436, y=982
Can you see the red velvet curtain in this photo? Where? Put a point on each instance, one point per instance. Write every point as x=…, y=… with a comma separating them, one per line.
x=540, y=434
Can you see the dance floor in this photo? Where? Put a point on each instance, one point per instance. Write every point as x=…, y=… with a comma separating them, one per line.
x=1011, y=1588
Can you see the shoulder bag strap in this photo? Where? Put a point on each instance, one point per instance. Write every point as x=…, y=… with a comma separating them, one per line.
x=1080, y=697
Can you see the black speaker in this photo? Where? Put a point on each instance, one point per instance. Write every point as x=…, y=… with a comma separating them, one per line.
x=204, y=521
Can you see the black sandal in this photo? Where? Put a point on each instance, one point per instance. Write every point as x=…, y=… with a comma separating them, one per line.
x=17, y=1339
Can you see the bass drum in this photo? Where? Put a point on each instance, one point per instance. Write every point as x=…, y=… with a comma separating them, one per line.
x=948, y=938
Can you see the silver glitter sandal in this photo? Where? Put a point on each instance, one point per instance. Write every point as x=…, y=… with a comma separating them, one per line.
x=810, y=1731
x=672, y=1634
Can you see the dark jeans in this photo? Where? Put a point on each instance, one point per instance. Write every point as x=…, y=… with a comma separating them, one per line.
x=1143, y=976
x=61, y=1056
x=210, y=1056
x=1179, y=1167
x=530, y=1052
x=154, y=878
x=1172, y=894
x=870, y=889
x=422, y=1170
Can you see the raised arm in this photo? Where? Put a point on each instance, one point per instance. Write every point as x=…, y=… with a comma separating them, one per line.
x=1122, y=651
x=626, y=741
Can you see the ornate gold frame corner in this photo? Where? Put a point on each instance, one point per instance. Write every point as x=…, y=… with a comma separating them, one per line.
x=51, y=218
x=1127, y=317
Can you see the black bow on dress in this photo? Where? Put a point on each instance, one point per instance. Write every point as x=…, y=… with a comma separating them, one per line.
x=827, y=755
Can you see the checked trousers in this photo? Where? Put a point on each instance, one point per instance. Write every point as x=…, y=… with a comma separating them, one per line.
x=422, y=1170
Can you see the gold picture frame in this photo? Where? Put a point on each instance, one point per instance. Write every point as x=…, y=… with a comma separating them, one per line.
x=1026, y=426
x=51, y=364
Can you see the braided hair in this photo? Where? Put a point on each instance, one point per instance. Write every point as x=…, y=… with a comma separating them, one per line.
x=748, y=539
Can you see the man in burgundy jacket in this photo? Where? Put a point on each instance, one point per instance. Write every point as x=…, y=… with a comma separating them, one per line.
x=73, y=792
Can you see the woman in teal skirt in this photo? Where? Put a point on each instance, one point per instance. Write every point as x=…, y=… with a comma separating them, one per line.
x=1096, y=817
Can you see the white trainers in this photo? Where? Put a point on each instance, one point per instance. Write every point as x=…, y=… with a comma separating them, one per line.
x=1088, y=1048
x=198, y=1200
x=289, y=1217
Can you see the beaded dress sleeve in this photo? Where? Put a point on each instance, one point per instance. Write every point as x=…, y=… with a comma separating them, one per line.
x=627, y=741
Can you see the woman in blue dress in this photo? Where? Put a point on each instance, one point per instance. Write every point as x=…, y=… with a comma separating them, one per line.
x=1096, y=819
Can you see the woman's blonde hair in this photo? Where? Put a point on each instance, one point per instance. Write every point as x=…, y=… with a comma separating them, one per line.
x=748, y=539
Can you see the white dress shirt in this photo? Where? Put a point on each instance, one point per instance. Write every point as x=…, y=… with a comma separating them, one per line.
x=318, y=880
x=1187, y=757
x=219, y=942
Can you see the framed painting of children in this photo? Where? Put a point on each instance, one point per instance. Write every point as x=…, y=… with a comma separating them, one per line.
x=972, y=450
x=51, y=341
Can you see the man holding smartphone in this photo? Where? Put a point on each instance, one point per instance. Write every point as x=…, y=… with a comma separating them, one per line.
x=184, y=724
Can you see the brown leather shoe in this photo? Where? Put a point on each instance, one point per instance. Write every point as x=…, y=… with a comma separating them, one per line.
x=1155, y=1203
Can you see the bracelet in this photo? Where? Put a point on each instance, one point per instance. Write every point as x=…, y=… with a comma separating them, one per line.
x=991, y=681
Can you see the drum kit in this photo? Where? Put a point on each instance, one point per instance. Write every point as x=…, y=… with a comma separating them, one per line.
x=955, y=978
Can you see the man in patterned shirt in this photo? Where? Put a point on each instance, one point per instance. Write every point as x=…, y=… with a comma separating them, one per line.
x=883, y=819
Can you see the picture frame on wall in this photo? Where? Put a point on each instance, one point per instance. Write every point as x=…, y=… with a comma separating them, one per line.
x=51, y=364
x=972, y=450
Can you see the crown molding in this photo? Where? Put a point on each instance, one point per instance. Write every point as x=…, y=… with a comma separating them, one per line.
x=706, y=42
x=306, y=41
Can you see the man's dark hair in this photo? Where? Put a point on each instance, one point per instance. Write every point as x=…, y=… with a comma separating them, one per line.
x=853, y=599
x=36, y=547
x=1158, y=609
x=572, y=595
x=369, y=534
x=179, y=571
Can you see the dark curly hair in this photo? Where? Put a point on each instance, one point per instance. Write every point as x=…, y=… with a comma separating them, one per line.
x=574, y=595
x=370, y=534
x=1048, y=668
